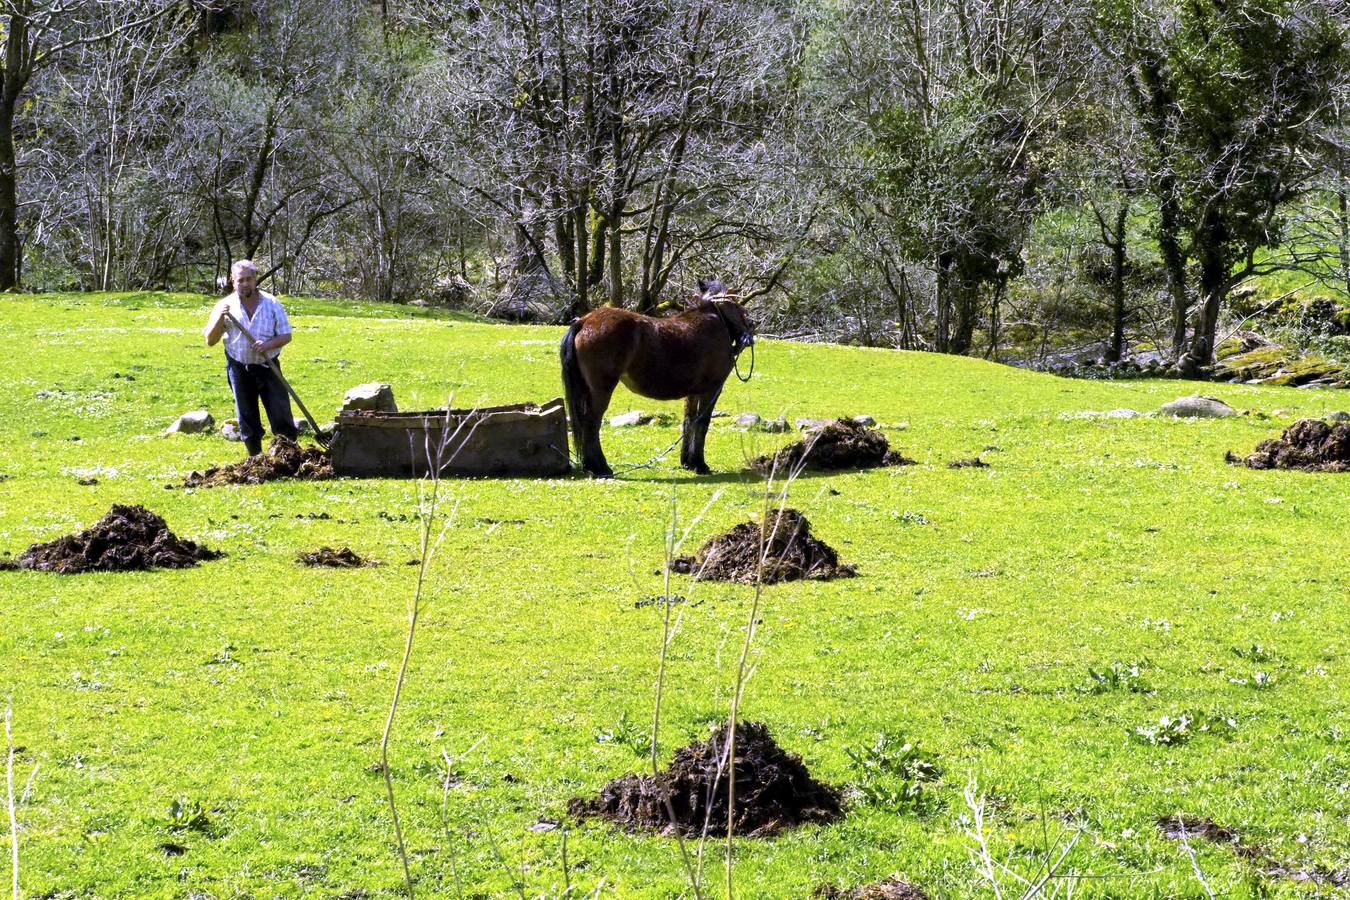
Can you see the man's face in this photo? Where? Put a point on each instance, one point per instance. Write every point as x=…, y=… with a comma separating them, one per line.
x=245, y=283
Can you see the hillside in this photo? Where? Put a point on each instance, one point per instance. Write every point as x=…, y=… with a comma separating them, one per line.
x=257, y=688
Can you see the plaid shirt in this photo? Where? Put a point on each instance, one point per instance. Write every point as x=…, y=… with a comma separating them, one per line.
x=268, y=321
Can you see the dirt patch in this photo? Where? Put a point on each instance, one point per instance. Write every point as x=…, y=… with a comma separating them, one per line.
x=1309, y=444
x=841, y=444
x=973, y=463
x=886, y=889
x=128, y=538
x=1181, y=827
x=774, y=791
x=284, y=458
x=792, y=553
x=341, y=558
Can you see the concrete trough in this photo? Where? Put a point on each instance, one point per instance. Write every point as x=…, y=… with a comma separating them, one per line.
x=522, y=439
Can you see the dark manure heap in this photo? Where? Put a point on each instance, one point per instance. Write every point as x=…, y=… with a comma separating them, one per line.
x=284, y=458
x=842, y=444
x=886, y=889
x=127, y=539
x=791, y=554
x=774, y=791
x=342, y=558
x=1309, y=444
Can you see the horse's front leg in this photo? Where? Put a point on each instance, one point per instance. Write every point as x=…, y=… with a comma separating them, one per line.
x=687, y=431
x=698, y=410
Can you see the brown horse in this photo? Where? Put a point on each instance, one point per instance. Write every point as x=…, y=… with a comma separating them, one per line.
x=687, y=355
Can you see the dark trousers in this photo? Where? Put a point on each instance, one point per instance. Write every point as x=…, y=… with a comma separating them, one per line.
x=251, y=384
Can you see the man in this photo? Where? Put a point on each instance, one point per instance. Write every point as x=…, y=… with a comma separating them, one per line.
x=246, y=361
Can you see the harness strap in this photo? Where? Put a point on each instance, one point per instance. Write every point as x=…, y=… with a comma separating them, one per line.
x=738, y=343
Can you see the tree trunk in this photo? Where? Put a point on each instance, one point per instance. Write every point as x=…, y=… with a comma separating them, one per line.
x=966, y=307
x=595, y=271
x=9, y=200
x=1174, y=261
x=1213, y=283
x=1344, y=237
x=1117, y=244
x=942, y=325
x=616, y=254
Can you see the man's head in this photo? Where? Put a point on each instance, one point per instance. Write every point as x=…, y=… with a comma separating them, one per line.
x=244, y=274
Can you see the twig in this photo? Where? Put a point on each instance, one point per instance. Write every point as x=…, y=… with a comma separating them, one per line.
x=1195, y=864
x=13, y=815
x=427, y=502
x=766, y=538
x=445, y=810
x=667, y=635
x=501, y=860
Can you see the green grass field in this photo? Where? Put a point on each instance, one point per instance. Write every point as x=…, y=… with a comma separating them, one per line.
x=257, y=688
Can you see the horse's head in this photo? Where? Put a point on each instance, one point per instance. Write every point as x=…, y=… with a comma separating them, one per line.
x=738, y=322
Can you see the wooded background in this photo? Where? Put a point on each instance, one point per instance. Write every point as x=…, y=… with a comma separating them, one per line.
x=954, y=175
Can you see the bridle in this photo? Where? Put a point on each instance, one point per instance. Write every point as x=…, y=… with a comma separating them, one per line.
x=739, y=339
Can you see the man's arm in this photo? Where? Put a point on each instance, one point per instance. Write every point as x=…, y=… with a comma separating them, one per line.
x=275, y=343
x=215, y=324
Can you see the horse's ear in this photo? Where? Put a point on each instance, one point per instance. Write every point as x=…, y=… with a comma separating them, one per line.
x=703, y=285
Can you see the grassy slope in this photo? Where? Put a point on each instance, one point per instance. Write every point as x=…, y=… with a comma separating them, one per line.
x=257, y=687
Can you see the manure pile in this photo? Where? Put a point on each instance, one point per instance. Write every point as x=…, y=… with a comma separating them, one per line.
x=284, y=458
x=127, y=539
x=774, y=791
x=792, y=553
x=341, y=558
x=842, y=444
x=1309, y=444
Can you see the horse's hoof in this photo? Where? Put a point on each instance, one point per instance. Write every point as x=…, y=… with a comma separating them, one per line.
x=701, y=469
x=606, y=472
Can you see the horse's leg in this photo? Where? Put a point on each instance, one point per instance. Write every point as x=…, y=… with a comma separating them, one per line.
x=697, y=417
x=687, y=430
x=601, y=390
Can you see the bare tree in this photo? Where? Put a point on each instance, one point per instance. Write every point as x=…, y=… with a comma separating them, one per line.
x=106, y=116
x=620, y=138
x=257, y=126
x=33, y=35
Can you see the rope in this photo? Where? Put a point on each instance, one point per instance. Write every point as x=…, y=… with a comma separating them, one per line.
x=736, y=363
x=651, y=463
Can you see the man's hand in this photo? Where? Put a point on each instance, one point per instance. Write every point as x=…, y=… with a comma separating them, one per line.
x=215, y=323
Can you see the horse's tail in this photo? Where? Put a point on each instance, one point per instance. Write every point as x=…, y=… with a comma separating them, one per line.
x=574, y=383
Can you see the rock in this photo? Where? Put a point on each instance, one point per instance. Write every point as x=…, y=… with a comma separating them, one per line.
x=194, y=422
x=630, y=419
x=1340, y=416
x=1197, y=408
x=230, y=430
x=865, y=421
x=1122, y=414
x=747, y=420
x=375, y=396
x=812, y=424
x=301, y=425
x=774, y=426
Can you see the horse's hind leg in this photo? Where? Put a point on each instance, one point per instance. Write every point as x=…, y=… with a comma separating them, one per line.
x=592, y=454
x=698, y=410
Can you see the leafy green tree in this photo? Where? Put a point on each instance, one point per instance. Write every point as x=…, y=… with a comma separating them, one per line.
x=1230, y=95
